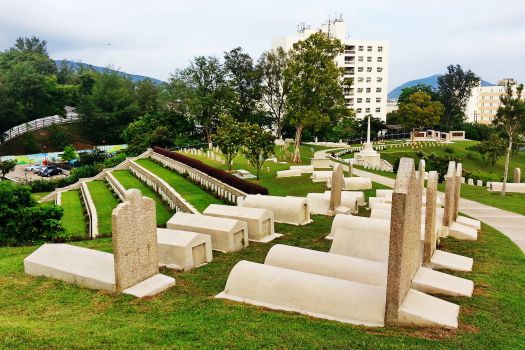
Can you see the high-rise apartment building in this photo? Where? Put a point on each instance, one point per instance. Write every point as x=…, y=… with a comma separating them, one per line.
x=484, y=101
x=365, y=61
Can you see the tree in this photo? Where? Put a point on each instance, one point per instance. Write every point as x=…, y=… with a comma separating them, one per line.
x=69, y=154
x=455, y=89
x=274, y=87
x=492, y=149
x=7, y=166
x=420, y=112
x=199, y=92
x=245, y=82
x=511, y=118
x=376, y=125
x=147, y=96
x=408, y=91
x=258, y=145
x=229, y=137
x=316, y=86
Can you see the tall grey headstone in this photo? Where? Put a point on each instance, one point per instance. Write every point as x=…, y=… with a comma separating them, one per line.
x=430, y=217
x=405, y=238
x=134, y=229
x=450, y=178
x=517, y=175
x=337, y=187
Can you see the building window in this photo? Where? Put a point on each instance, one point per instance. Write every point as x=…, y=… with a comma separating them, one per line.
x=359, y=69
x=368, y=79
x=368, y=90
x=378, y=89
x=367, y=110
x=361, y=48
x=359, y=100
x=380, y=49
x=360, y=79
x=380, y=59
x=359, y=90
x=379, y=69
x=379, y=79
x=369, y=59
x=359, y=110
x=378, y=99
x=369, y=48
x=360, y=58
x=367, y=100
x=378, y=110
x=369, y=69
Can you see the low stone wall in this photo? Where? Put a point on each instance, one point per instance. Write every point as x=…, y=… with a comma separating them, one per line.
x=91, y=210
x=115, y=185
x=168, y=194
x=219, y=189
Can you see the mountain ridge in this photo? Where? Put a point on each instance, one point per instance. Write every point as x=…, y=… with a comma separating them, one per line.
x=76, y=65
x=430, y=80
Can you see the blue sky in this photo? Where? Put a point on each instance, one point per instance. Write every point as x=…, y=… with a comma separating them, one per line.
x=155, y=37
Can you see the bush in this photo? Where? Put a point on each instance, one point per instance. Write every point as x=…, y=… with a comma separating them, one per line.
x=480, y=175
x=219, y=174
x=115, y=160
x=449, y=150
x=23, y=221
x=478, y=132
x=433, y=162
x=74, y=175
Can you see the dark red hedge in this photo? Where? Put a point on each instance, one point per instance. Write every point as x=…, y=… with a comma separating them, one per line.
x=219, y=174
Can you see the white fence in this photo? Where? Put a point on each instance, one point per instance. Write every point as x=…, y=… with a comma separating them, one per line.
x=37, y=124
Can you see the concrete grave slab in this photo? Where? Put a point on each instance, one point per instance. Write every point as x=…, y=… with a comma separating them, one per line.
x=260, y=221
x=183, y=250
x=288, y=210
x=227, y=235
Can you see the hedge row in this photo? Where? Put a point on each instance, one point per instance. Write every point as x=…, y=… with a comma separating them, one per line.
x=219, y=174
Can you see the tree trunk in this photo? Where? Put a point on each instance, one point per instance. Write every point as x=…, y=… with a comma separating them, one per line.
x=506, y=172
x=208, y=135
x=297, y=145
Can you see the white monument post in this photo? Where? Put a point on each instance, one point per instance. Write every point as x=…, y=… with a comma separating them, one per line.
x=368, y=155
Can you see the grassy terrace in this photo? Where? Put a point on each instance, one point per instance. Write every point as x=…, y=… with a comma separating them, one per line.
x=44, y=313
x=105, y=201
x=128, y=180
x=74, y=219
x=39, y=195
x=193, y=193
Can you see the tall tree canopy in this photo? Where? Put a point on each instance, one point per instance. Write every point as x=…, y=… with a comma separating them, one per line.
x=245, y=81
x=316, y=86
x=511, y=118
x=420, y=112
x=199, y=92
x=455, y=88
x=408, y=91
x=274, y=85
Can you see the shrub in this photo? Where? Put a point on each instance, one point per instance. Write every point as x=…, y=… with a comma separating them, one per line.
x=481, y=175
x=219, y=174
x=479, y=132
x=434, y=162
x=115, y=160
x=23, y=221
x=449, y=150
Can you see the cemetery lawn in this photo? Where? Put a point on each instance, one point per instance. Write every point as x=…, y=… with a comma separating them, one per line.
x=105, y=201
x=39, y=195
x=45, y=313
x=74, y=218
x=193, y=193
x=128, y=180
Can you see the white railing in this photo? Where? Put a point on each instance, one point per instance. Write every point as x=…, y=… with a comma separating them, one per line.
x=90, y=209
x=38, y=124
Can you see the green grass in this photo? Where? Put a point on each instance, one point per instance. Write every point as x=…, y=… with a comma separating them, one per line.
x=39, y=195
x=193, y=193
x=471, y=160
x=44, y=313
x=74, y=219
x=105, y=201
x=128, y=180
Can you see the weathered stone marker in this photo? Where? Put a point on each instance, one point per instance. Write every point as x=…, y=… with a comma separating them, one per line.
x=430, y=218
x=405, y=238
x=421, y=169
x=448, y=216
x=517, y=175
x=457, y=189
x=134, y=230
x=337, y=187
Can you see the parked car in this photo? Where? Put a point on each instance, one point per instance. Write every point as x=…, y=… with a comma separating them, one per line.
x=41, y=171
x=31, y=167
x=51, y=171
x=37, y=168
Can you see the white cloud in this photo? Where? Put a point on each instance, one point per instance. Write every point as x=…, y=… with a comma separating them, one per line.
x=157, y=36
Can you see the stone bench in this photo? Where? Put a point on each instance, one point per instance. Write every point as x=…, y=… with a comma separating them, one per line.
x=183, y=250
x=260, y=221
x=227, y=235
x=288, y=210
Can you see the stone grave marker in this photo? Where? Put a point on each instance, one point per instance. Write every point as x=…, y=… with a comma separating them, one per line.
x=517, y=175
x=430, y=217
x=337, y=187
x=448, y=216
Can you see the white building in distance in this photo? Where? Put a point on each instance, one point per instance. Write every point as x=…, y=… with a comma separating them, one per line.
x=365, y=61
x=484, y=101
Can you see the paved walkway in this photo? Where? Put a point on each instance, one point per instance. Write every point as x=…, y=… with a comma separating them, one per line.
x=510, y=224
